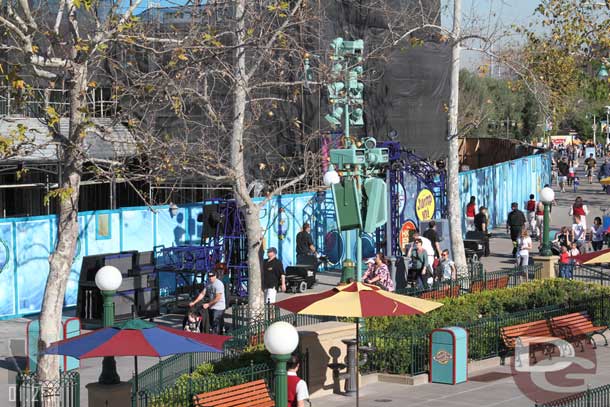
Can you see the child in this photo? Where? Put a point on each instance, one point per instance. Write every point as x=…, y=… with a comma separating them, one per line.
x=565, y=268
x=576, y=184
x=574, y=250
x=193, y=320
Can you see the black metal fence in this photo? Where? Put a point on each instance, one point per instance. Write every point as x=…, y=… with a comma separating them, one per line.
x=63, y=392
x=407, y=351
x=592, y=397
x=585, y=273
x=476, y=281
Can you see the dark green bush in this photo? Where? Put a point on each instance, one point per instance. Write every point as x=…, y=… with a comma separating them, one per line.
x=472, y=307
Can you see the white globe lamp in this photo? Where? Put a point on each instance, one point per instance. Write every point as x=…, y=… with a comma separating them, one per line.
x=281, y=339
x=547, y=195
x=108, y=278
x=331, y=177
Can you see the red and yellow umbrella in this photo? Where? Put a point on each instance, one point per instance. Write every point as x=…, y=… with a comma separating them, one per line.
x=357, y=300
x=602, y=256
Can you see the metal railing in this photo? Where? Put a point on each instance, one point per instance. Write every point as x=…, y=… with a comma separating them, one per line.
x=63, y=392
x=592, y=397
x=587, y=274
x=476, y=281
x=182, y=392
x=407, y=351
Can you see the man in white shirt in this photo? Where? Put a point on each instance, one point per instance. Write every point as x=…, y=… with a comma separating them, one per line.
x=297, y=388
x=579, y=233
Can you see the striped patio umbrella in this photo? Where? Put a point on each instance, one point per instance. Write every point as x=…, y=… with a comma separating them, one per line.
x=136, y=338
x=602, y=256
x=357, y=300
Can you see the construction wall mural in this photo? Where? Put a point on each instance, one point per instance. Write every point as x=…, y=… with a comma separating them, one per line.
x=497, y=186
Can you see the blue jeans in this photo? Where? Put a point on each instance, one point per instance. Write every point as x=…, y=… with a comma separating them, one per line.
x=217, y=321
x=565, y=270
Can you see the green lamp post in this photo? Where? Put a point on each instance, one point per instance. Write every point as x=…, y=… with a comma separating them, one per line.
x=281, y=339
x=108, y=279
x=547, y=196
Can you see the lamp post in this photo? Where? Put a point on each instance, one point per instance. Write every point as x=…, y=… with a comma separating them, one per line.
x=108, y=279
x=281, y=339
x=607, y=125
x=547, y=196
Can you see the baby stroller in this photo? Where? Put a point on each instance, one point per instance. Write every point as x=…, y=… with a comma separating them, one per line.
x=195, y=321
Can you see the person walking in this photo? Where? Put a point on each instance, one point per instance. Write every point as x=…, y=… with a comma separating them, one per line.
x=378, y=273
x=481, y=223
x=539, y=219
x=216, y=306
x=563, y=170
x=590, y=165
x=604, y=172
x=419, y=264
x=470, y=213
x=432, y=236
x=597, y=234
x=297, y=388
x=578, y=208
x=530, y=206
x=514, y=224
x=524, y=244
x=273, y=276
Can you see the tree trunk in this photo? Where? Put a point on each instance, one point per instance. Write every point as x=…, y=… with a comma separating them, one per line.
x=250, y=210
x=61, y=259
x=453, y=162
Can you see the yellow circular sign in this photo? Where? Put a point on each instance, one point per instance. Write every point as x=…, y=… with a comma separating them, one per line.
x=424, y=205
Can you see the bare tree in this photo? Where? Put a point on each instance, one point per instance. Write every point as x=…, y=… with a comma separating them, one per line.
x=48, y=44
x=216, y=99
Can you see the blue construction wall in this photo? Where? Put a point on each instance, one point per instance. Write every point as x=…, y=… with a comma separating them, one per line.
x=497, y=186
x=26, y=243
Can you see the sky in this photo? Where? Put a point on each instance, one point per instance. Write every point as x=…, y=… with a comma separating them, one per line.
x=497, y=16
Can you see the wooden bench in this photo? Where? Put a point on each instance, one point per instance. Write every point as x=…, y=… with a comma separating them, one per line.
x=251, y=394
x=441, y=293
x=536, y=335
x=578, y=326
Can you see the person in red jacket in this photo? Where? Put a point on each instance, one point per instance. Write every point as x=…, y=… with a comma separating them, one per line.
x=297, y=388
x=470, y=213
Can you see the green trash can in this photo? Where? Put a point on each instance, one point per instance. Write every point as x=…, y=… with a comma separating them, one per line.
x=449, y=355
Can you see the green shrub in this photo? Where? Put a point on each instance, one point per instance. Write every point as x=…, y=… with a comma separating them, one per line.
x=472, y=307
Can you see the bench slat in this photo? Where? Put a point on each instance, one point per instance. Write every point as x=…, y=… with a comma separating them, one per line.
x=251, y=394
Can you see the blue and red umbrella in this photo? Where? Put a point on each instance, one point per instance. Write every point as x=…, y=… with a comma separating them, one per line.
x=136, y=338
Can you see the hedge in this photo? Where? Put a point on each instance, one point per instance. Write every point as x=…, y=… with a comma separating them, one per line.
x=492, y=303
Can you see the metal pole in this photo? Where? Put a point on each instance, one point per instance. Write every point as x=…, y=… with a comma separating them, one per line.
x=546, y=244
x=595, y=136
x=109, y=374
x=281, y=381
